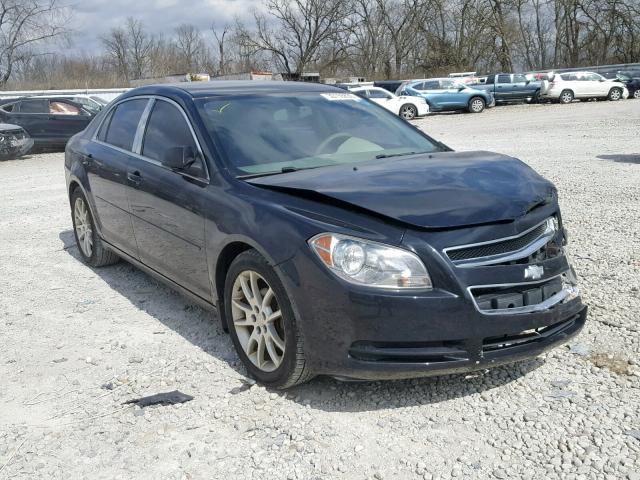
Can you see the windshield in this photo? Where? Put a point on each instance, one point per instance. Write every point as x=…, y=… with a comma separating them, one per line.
x=263, y=134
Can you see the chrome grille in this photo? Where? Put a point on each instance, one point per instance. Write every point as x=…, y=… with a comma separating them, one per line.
x=534, y=245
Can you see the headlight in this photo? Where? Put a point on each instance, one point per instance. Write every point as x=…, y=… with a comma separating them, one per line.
x=369, y=263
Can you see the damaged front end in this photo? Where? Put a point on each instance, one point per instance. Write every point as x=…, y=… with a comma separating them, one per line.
x=14, y=142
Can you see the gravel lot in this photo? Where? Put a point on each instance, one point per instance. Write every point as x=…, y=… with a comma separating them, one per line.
x=78, y=342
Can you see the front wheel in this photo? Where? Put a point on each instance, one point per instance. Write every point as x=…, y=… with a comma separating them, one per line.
x=92, y=251
x=476, y=105
x=262, y=323
x=636, y=94
x=615, y=94
x=408, y=111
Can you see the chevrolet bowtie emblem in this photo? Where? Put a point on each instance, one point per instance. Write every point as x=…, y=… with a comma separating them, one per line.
x=534, y=272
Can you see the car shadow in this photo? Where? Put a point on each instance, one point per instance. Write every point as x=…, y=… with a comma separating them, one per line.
x=202, y=329
x=622, y=158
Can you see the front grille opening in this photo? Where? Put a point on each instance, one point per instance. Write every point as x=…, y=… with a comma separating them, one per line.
x=527, y=336
x=505, y=298
x=409, y=352
x=497, y=248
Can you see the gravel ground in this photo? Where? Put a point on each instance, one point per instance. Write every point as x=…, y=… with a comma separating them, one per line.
x=78, y=342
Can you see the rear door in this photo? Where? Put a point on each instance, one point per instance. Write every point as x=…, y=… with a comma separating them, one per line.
x=504, y=88
x=66, y=118
x=384, y=98
x=109, y=154
x=520, y=88
x=167, y=206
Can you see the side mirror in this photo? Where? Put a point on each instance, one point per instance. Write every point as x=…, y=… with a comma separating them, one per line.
x=460, y=89
x=602, y=80
x=527, y=82
x=179, y=158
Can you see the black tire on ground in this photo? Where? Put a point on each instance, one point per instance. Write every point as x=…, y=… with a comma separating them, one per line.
x=100, y=255
x=615, y=94
x=566, y=96
x=536, y=97
x=408, y=111
x=294, y=369
x=476, y=104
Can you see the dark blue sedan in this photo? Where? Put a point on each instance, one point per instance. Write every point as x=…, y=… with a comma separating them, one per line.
x=331, y=236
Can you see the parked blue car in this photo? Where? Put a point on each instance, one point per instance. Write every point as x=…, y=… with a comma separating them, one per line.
x=443, y=94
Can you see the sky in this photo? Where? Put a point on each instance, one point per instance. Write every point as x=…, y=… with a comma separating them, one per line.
x=93, y=18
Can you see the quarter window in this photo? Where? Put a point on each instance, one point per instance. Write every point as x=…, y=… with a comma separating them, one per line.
x=124, y=123
x=166, y=129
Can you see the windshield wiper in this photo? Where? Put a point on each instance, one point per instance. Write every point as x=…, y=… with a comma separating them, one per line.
x=287, y=169
x=389, y=155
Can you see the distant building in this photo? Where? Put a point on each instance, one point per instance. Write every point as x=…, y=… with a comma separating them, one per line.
x=249, y=76
x=174, y=78
x=313, y=77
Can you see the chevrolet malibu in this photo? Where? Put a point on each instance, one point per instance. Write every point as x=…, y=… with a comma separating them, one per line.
x=331, y=236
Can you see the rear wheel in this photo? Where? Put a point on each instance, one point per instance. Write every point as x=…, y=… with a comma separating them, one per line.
x=92, y=250
x=566, y=96
x=615, y=94
x=476, y=105
x=262, y=323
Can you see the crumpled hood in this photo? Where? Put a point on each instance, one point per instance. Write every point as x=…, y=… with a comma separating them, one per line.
x=438, y=190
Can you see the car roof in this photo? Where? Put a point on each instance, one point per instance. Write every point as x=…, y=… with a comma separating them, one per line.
x=231, y=87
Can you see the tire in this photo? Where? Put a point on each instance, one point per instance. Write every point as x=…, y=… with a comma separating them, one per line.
x=636, y=94
x=535, y=98
x=271, y=365
x=615, y=94
x=476, y=105
x=408, y=111
x=566, y=96
x=92, y=250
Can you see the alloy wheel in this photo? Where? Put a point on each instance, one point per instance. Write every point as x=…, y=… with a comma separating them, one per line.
x=257, y=320
x=615, y=94
x=477, y=105
x=408, y=112
x=567, y=97
x=84, y=231
x=636, y=94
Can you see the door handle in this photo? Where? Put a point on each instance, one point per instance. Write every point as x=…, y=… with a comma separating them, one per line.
x=134, y=177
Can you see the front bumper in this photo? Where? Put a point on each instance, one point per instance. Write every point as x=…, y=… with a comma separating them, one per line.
x=364, y=333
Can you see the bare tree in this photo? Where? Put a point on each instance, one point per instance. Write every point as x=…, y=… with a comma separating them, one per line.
x=220, y=39
x=296, y=31
x=190, y=47
x=24, y=25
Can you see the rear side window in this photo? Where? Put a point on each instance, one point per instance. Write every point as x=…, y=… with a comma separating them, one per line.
x=124, y=123
x=568, y=77
x=378, y=94
x=431, y=85
x=34, y=106
x=167, y=128
x=504, y=78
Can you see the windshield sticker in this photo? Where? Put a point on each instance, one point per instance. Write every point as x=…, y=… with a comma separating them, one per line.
x=340, y=96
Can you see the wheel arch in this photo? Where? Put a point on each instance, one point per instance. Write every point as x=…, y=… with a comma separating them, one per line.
x=228, y=253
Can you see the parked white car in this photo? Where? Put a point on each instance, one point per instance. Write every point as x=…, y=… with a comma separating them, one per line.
x=405, y=106
x=565, y=87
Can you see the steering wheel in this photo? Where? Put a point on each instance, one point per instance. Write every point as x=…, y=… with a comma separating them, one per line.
x=330, y=140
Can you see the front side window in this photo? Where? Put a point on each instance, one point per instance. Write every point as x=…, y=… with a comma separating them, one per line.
x=63, y=108
x=519, y=79
x=167, y=129
x=124, y=123
x=267, y=133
